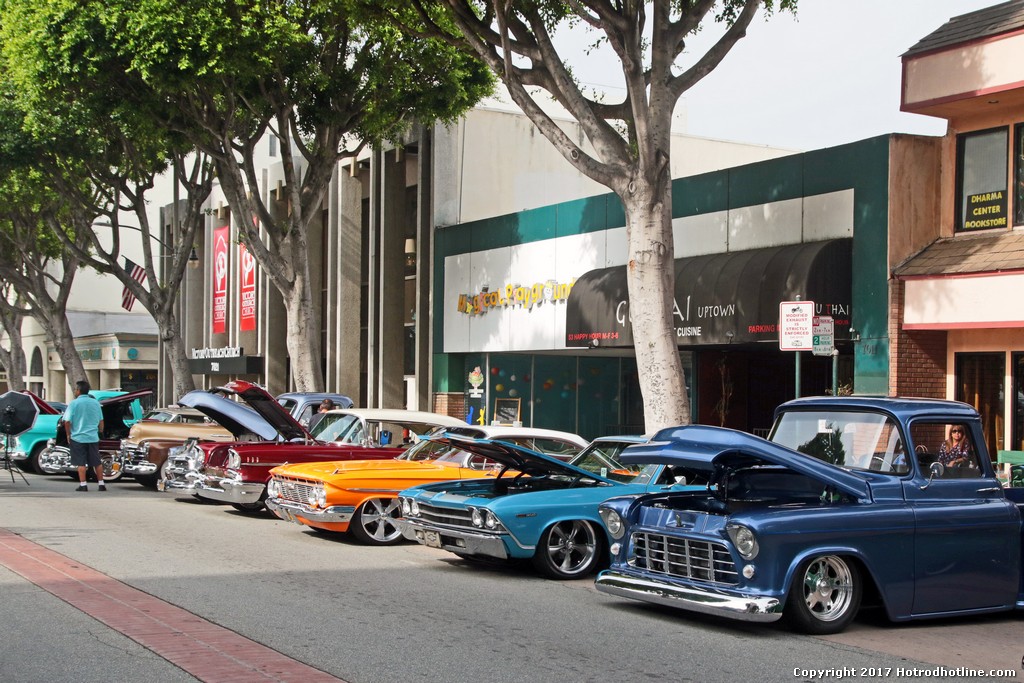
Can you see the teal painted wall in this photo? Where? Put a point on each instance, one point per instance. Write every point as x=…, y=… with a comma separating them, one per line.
x=862, y=166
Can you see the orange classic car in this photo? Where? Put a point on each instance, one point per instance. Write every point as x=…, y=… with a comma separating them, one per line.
x=361, y=496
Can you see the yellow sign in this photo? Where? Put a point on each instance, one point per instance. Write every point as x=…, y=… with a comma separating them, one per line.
x=514, y=295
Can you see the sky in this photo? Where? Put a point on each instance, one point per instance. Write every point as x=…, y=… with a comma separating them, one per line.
x=827, y=76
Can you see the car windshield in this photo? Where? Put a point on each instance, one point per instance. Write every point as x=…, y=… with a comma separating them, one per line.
x=339, y=427
x=851, y=440
x=602, y=458
x=158, y=416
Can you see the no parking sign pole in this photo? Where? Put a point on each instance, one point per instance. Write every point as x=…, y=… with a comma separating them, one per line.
x=796, y=330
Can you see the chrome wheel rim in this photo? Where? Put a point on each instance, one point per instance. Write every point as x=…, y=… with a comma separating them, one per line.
x=378, y=519
x=572, y=547
x=828, y=588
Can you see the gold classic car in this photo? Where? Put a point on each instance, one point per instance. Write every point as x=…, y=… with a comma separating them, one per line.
x=144, y=452
x=361, y=496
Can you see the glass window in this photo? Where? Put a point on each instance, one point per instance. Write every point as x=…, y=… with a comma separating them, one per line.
x=854, y=440
x=1018, y=403
x=979, y=382
x=981, y=180
x=1018, y=174
x=948, y=444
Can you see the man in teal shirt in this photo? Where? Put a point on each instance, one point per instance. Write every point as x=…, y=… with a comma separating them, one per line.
x=83, y=422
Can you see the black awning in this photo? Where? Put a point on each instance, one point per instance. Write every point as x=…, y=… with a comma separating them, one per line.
x=737, y=292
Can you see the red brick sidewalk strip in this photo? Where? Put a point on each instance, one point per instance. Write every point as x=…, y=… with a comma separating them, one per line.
x=207, y=651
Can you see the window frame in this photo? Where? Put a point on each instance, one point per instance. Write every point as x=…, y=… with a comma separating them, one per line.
x=961, y=142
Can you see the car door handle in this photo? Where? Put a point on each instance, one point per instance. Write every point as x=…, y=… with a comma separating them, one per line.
x=993, y=489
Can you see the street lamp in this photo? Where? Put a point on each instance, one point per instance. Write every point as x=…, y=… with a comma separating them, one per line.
x=193, y=257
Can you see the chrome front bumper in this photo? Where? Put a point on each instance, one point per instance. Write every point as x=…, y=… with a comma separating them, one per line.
x=462, y=541
x=228, y=490
x=133, y=459
x=291, y=511
x=730, y=604
x=55, y=460
x=179, y=475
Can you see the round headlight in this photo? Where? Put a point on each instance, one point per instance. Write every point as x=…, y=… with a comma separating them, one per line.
x=490, y=521
x=477, y=517
x=415, y=509
x=745, y=541
x=406, y=507
x=613, y=522
x=321, y=497
x=311, y=496
x=273, y=488
x=234, y=460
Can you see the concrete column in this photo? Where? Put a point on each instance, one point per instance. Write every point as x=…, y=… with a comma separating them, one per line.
x=391, y=281
x=344, y=359
x=424, y=263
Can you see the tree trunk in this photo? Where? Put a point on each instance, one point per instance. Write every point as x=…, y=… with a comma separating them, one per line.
x=59, y=331
x=174, y=350
x=650, y=276
x=13, y=360
x=303, y=338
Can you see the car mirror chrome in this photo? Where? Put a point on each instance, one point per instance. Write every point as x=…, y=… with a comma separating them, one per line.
x=936, y=469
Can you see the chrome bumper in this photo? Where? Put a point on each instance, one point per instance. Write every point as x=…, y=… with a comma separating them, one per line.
x=55, y=460
x=290, y=511
x=229, y=490
x=728, y=604
x=462, y=541
x=143, y=467
x=179, y=475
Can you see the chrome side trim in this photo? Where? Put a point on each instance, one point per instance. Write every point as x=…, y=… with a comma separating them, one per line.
x=296, y=512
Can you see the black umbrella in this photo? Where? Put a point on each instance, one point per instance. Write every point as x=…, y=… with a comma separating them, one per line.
x=18, y=413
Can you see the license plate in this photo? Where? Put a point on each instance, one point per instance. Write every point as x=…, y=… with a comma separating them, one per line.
x=431, y=539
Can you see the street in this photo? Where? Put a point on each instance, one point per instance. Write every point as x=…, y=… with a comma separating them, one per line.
x=402, y=613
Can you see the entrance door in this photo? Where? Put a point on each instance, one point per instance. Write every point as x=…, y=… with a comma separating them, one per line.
x=979, y=382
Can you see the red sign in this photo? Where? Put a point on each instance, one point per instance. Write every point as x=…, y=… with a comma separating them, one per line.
x=220, y=280
x=246, y=290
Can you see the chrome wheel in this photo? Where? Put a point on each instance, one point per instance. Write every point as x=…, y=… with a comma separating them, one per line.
x=568, y=550
x=825, y=596
x=111, y=468
x=374, y=521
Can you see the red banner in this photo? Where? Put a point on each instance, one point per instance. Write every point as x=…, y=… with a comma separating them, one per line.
x=246, y=290
x=220, y=280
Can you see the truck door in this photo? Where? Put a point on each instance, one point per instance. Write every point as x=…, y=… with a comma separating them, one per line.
x=967, y=538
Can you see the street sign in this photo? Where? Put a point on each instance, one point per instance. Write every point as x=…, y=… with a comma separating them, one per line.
x=796, y=321
x=824, y=335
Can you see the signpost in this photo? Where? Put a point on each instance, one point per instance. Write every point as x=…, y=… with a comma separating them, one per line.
x=796, y=330
x=824, y=335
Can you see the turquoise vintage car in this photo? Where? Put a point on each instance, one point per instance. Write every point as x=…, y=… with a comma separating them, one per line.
x=537, y=507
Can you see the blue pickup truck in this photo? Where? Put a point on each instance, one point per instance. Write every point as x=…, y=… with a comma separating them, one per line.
x=850, y=501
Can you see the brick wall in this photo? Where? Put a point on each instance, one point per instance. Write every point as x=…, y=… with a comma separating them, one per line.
x=452, y=404
x=917, y=362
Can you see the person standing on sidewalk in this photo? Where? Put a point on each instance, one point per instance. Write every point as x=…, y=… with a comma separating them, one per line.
x=83, y=422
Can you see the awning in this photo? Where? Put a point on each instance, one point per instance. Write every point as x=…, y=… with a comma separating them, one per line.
x=717, y=294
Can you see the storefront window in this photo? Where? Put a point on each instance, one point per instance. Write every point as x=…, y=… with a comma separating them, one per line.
x=1018, y=174
x=979, y=382
x=981, y=180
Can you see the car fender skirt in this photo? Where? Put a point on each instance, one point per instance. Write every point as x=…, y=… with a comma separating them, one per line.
x=729, y=604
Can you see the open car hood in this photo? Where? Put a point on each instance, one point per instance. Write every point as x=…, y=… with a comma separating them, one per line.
x=238, y=419
x=518, y=458
x=714, y=449
x=126, y=398
x=268, y=408
x=43, y=407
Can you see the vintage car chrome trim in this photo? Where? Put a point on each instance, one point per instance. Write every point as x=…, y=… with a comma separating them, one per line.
x=705, y=600
x=291, y=512
x=472, y=543
x=55, y=460
x=394, y=491
x=228, y=490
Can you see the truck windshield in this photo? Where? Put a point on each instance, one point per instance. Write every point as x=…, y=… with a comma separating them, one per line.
x=852, y=440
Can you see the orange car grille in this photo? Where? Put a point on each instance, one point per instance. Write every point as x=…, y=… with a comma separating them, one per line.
x=295, y=490
x=446, y=516
x=683, y=558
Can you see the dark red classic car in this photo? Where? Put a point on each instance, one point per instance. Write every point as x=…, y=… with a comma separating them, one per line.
x=237, y=473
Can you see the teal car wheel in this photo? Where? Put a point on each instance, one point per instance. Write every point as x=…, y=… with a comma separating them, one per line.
x=568, y=550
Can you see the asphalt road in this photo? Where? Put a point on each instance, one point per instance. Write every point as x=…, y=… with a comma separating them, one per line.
x=407, y=613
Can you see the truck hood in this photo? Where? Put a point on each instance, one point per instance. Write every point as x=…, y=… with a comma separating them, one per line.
x=718, y=450
x=238, y=419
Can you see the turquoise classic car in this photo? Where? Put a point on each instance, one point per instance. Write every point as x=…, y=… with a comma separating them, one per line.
x=27, y=447
x=537, y=506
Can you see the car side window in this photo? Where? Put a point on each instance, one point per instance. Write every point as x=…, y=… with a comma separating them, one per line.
x=947, y=443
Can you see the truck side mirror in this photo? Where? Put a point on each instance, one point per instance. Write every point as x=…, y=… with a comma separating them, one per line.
x=936, y=469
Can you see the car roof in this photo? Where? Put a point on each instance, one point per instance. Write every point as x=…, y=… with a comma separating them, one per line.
x=902, y=407
x=397, y=415
x=508, y=432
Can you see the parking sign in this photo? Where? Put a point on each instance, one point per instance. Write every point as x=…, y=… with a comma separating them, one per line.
x=796, y=325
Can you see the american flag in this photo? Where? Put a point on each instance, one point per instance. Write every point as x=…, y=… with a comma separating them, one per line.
x=137, y=273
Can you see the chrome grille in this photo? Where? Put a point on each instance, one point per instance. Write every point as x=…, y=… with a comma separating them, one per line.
x=683, y=558
x=446, y=516
x=295, y=490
